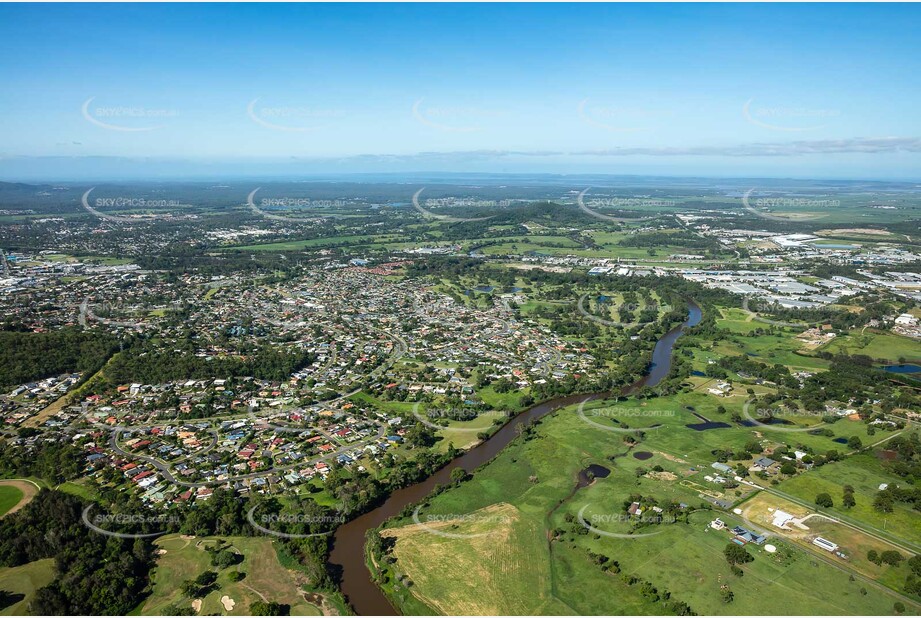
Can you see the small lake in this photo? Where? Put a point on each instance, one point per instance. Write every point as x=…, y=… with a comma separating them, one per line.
x=902, y=368
x=591, y=473
x=642, y=455
x=707, y=426
x=766, y=421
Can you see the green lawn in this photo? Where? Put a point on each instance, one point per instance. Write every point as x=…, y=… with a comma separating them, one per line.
x=9, y=497
x=25, y=580
x=865, y=474
x=881, y=346
x=78, y=488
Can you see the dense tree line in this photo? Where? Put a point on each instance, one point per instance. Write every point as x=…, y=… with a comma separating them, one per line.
x=54, y=462
x=96, y=574
x=28, y=356
x=152, y=364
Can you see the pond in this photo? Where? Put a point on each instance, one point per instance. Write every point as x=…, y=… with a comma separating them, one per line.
x=902, y=368
x=707, y=426
x=642, y=455
x=591, y=473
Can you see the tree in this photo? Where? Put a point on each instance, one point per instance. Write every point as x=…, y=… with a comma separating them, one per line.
x=892, y=557
x=848, y=501
x=736, y=554
x=200, y=586
x=854, y=442
x=458, y=475
x=824, y=500
x=726, y=594
x=883, y=502
x=914, y=563
x=873, y=556
x=788, y=468
x=898, y=607
x=225, y=558
x=913, y=585
x=267, y=608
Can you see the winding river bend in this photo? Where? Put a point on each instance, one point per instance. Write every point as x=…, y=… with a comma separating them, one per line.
x=348, y=553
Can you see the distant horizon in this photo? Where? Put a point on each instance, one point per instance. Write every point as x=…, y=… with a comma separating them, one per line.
x=220, y=90
x=396, y=176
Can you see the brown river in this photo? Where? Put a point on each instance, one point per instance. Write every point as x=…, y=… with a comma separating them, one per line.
x=348, y=553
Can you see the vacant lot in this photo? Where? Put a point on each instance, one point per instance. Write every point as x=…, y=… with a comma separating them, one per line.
x=503, y=570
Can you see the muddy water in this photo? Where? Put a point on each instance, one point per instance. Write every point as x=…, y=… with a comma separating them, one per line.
x=348, y=552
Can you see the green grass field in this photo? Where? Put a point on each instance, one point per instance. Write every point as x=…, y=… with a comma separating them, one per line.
x=865, y=473
x=78, y=488
x=266, y=578
x=9, y=497
x=881, y=346
x=25, y=580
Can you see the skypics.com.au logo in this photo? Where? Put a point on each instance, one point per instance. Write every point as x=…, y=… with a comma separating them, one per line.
x=127, y=203
x=778, y=416
x=618, y=203
x=617, y=414
x=120, y=525
x=288, y=203
x=126, y=119
x=436, y=523
x=762, y=206
x=620, y=118
x=448, y=218
x=276, y=524
x=788, y=119
x=630, y=307
x=428, y=417
x=602, y=519
x=453, y=119
x=291, y=119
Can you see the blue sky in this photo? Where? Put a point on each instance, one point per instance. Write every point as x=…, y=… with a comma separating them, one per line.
x=719, y=90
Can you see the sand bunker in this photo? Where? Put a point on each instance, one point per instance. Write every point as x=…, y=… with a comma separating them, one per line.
x=196, y=605
x=227, y=602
